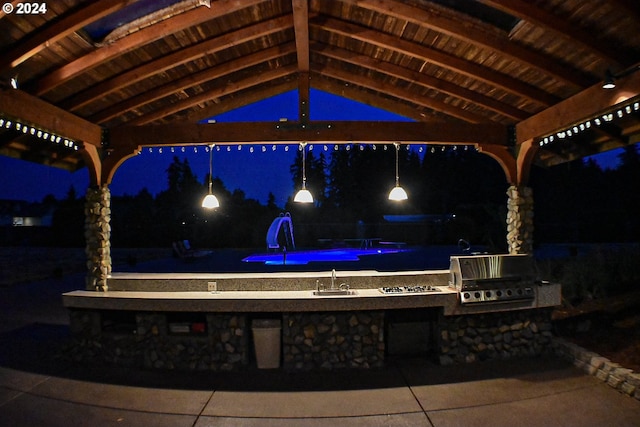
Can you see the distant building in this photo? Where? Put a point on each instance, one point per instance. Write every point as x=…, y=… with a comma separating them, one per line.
x=19, y=213
x=25, y=223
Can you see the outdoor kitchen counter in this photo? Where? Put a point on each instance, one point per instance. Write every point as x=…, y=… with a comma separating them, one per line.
x=258, y=301
x=287, y=292
x=293, y=301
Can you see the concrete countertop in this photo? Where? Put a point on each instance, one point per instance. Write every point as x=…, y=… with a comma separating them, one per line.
x=257, y=301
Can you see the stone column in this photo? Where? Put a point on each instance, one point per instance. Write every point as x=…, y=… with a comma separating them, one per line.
x=97, y=233
x=520, y=220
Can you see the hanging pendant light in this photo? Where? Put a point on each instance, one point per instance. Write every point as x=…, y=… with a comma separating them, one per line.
x=397, y=193
x=210, y=201
x=304, y=195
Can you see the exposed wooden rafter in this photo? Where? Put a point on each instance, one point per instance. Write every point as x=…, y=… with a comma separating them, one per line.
x=421, y=79
x=176, y=107
x=477, y=36
x=171, y=88
x=57, y=30
x=135, y=40
x=462, y=66
x=561, y=26
x=176, y=59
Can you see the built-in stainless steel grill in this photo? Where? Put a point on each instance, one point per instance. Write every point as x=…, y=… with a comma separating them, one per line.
x=493, y=278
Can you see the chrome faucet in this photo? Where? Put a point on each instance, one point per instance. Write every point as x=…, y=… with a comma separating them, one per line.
x=320, y=287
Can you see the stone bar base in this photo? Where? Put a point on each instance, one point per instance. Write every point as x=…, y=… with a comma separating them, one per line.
x=187, y=342
x=333, y=340
x=503, y=335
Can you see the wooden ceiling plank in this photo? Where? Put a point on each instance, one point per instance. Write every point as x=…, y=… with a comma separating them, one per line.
x=441, y=59
x=176, y=59
x=392, y=90
x=421, y=79
x=130, y=137
x=207, y=96
x=475, y=35
x=631, y=6
x=561, y=26
x=589, y=103
x=57, y=30
x=36, y=112
x=193, y=80
x=135, y=40
x=301, y=29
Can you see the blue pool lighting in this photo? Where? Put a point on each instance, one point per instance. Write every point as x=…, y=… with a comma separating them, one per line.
x=319, y=255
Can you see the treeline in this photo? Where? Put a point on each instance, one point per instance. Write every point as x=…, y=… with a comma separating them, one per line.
x=574, y=202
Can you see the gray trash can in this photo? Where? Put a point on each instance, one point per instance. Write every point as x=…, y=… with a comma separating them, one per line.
x=266, y=340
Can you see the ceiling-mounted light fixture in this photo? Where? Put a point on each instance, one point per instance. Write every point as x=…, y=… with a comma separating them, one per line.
x=210, y=201
x=397, y=193
x=304, y=195
x=14, y=82
x=609, y=80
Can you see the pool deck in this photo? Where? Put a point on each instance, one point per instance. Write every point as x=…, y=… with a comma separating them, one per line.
x=37, y=388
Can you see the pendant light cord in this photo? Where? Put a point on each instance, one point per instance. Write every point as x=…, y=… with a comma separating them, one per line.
x=210, y=167
x=304, y=165
x=397, y=145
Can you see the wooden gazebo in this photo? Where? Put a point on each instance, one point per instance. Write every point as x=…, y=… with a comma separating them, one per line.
x=88, y=84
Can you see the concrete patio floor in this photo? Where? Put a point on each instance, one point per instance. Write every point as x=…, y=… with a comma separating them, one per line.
x=37, y=388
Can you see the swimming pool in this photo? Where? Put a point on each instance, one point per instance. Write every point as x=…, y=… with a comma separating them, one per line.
x=320, y=255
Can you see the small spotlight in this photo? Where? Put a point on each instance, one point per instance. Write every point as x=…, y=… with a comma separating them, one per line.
x=14, y=82
x=609, y=80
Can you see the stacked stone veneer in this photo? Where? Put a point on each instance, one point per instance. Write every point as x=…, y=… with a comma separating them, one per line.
x=333, y=340
x=520, y=220
x=97, y=233
x=504, y=335
x=149, y=343
x=622, y=379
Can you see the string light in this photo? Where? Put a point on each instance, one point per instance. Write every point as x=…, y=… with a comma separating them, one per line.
x=420, y=148
x=41, y=134
x=576, y=128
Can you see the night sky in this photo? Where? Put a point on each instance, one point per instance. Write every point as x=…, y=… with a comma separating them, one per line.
x=256, y=173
